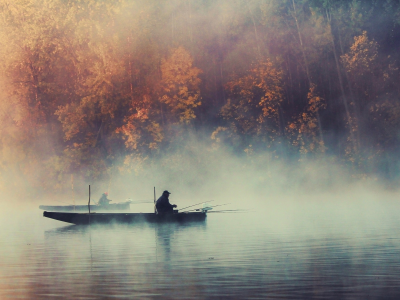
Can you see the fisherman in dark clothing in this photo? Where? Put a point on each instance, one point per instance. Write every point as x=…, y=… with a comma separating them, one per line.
x=162, y=204
x=104, y=200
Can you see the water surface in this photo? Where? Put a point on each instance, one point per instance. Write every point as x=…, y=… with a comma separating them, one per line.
x=289, y=251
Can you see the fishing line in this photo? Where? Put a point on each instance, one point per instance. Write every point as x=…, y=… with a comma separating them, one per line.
x=196, y=204
x=198, y=209
x=227, y=210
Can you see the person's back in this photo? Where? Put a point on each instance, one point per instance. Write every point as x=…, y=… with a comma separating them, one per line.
x=104, y=200
x=162, y=204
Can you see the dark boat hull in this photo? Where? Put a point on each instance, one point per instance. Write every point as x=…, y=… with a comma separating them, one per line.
x=107, y=218
x=109, y=207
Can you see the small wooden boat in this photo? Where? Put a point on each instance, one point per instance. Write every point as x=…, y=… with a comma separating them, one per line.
x=109, y=207
x=107, y=218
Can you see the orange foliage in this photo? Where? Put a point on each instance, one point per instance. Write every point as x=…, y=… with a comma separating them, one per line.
x=362, y=55
x=255, y=98
x=83, y=82
x=304, y=131
x=137, y=126
x=180, y=85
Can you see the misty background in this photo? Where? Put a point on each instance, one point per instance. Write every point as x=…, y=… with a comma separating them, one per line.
x=208, y=99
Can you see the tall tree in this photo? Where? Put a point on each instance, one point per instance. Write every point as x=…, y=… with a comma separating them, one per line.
x=253, y=108
x=180, y=86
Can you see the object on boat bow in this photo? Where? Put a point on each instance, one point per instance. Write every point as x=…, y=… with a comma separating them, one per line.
x=95, y=207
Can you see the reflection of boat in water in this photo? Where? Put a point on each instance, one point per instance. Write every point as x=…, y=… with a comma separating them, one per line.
x=97, y=207
x=106, y=218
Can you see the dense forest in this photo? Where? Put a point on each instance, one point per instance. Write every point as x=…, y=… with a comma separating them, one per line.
x=90, y=86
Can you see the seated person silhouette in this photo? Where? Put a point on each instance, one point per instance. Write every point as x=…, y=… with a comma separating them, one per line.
x=162, y=204
x=104, y=200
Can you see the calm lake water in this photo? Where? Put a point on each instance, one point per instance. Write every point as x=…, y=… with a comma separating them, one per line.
x=287, y=251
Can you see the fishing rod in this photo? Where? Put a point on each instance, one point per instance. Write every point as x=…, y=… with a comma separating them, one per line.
x=196, y=204
x=227, y=210
x=220, y=205
x=205, y=202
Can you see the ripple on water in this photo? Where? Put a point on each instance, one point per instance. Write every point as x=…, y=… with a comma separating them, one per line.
x=246, y=256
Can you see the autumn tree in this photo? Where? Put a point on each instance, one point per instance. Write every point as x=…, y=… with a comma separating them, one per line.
x=304, y=130
x=180, y=86
x=87, y=86
x=39, y=64
x=360, y=63
x=253, y=108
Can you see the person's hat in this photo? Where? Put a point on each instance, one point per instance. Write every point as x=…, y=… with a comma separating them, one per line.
x=166, y=192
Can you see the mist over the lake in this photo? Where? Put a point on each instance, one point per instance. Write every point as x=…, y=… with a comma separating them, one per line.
x=102, y=92
x=281, y=115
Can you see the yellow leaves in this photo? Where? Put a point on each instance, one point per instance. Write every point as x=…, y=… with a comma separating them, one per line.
x=156, y=133
x=255, y=99
x=304, y=131
x=214, y=135
x=133, y=162
x=362, y=55
x=180, y=86
x=130, y=134
x=142, y=114
x=71, y=117
x=312, y=124
x=137, y=127
x=314, y=101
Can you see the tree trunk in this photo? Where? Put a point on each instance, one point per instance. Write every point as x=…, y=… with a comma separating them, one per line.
x=354, y=142
x=255, y=30
x=306, y=65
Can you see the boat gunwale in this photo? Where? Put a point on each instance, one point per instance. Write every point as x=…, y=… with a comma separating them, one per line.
x=107, y=218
